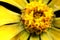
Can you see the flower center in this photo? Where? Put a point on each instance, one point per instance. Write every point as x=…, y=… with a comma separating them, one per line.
x=37, y=17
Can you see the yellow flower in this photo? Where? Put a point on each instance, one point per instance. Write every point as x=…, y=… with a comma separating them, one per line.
x=29, y=20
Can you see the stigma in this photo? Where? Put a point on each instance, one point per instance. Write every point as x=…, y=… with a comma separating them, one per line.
x=37, y=17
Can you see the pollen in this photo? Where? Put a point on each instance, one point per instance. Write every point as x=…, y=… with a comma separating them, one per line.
x=37, y=17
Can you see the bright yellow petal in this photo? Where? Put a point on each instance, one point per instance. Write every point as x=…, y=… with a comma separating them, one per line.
x=7, y=16
x=36, y=0
x=55, y=4
x=23, y=35
x=44, y=1
x=34, y=37
x=57, y=22
x=33, y=0
x=46, y=36
x=9, y=31
x=15, y=37
x=19, y=3
x=55, y=34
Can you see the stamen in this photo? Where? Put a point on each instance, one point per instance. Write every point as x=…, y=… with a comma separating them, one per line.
x=37, y=17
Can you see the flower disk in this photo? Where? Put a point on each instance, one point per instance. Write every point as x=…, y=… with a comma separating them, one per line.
x=37, y=17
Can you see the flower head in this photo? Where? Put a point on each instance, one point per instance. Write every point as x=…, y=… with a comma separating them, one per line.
x=36, y=20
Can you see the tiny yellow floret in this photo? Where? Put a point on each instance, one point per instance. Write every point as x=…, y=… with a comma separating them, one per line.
x=37, y=17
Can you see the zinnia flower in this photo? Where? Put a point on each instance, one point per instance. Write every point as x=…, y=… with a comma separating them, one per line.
x=29, y=20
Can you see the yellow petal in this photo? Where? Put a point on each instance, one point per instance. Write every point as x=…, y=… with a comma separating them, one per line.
x=55, y=34
x=15, y=37
x=57, y=22
x=23, y=35
x=36, y=0
x=33, y=0
x=19, y=3
x=45, y=1
x=34, y=37
x=7, y=16
x=55, y=4
x=46, y=36
x=9, y=31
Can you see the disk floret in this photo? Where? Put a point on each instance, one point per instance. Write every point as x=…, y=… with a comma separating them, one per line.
x=37, y=17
